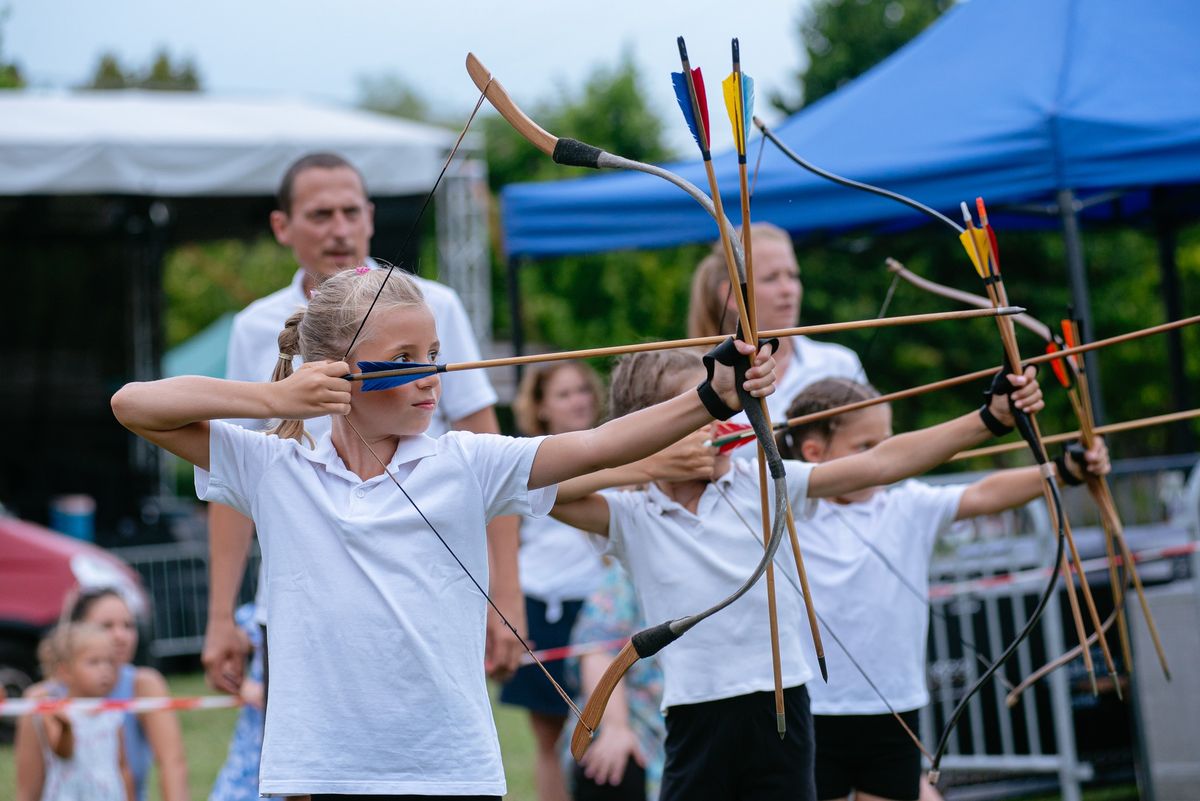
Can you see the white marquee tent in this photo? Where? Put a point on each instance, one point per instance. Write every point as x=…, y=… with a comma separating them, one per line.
x=185, y=144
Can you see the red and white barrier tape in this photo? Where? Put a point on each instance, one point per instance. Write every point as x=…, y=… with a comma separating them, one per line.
x=1038, y=574
x=28, y=706
x=17, y=707
x=568, y=651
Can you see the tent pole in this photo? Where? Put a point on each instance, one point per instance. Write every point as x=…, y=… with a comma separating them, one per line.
x=1165, y=234
x=517, y=322
x=1080, y=298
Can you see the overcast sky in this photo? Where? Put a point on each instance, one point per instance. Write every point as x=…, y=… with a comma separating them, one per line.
x=319, y=49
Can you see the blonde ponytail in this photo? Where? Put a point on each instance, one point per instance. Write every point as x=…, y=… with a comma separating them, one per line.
x=289, y=348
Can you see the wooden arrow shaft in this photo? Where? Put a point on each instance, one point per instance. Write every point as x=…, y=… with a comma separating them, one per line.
x=691, y=342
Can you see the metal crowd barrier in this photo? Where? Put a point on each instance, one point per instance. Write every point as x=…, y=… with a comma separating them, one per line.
x=175, y=576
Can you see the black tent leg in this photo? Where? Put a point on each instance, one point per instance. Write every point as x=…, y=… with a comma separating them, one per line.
x=1164, y=229
x=1080, y=298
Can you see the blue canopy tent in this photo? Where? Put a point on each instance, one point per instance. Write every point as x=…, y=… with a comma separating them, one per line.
x=1033, y=104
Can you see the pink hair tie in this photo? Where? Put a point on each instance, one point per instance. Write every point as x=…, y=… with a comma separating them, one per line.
x=362, y=269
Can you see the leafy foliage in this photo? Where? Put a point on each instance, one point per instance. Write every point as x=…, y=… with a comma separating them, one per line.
x=606, y=298
x=162, y=74
x=609, y=111
x=842, y=39
x=10, y=71
x=389, y=93
x=203, y=281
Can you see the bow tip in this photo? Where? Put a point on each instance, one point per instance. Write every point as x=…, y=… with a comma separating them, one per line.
x=480, y=74
x=824, y=669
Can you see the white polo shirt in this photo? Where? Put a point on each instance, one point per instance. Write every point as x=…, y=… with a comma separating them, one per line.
x=557, y=563
x=810, y=362
x=254, y=349
x=377, y=634
x=881, y=621
x=683, y=563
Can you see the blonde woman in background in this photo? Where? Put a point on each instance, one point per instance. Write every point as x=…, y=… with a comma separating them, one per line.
x=799, y=361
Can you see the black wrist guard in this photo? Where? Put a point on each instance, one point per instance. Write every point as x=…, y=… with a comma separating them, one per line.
x=992, y=422
x=1071, y=453
x=726, y=354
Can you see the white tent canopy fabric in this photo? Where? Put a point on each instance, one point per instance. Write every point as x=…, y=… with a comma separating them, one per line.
x=183, y=144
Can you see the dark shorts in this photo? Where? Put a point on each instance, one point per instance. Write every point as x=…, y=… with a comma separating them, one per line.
x=528, y=686
x=869, y=753
x=631, y=788
x=730, y=750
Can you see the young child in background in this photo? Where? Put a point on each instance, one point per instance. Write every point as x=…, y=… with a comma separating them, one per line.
x=686, y=544
x=867, y=554
x=376, y=625
x=80, y=756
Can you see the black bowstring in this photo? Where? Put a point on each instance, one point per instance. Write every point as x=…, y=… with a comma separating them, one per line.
x=984, y=659
x=424, y=205
x=1060, y=515
x=417, y=222
x=795, y=583
x=557, y=687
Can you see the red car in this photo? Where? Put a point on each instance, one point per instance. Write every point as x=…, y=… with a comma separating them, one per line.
x=38, y=569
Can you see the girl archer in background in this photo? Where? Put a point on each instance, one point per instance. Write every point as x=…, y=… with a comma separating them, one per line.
x=688, y=543
x=866, y=551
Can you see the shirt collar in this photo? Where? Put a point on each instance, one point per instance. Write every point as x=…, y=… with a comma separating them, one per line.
x=663, y=503
x=410, y=449
x=296, y=288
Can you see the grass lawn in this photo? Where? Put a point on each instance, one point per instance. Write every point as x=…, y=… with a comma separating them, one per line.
x=206, y=736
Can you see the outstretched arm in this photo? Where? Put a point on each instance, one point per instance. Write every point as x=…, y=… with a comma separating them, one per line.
x=173, y=413
x=1006, y=489
x=917, y=452
x=638, y=435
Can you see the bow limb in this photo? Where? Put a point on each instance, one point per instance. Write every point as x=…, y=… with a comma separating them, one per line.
x=1026, y=425
x=1023, y=319
x=837, y=640
x=1098, y=487
x=1110, y=519
x=574, y=153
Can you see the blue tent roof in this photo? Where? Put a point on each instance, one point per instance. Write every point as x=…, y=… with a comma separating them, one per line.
x=1009, y=99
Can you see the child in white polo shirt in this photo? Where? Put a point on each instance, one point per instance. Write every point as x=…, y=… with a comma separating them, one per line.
x=379, y=622
x=685, y=546
x=867, y=554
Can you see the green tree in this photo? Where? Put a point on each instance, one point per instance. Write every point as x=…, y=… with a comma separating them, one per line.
x=203, y=281
x=109, y=74
x=390, y=93
x=10, y=71
x=609, y=111
x=166, y=75
x=842, y=39
x=844, y=276
x=608, y=298
x=162, y=74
